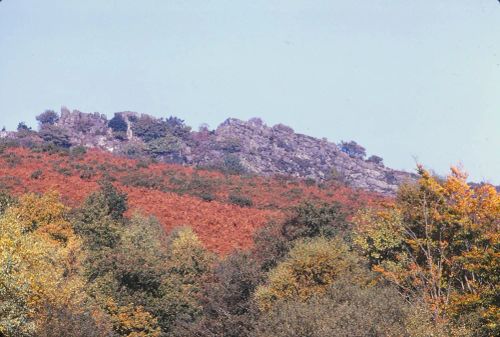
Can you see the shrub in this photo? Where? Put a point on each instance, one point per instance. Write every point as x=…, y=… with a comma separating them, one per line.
x=309, y=220
x=117, y=123
x=207, y=196
x=353, y=149
x=23, y=127
x=145, y=180
x=142, y=164
x=344, y=310
x=49, y=117
x=375, y=159
x=228, y=306
x=64, y=171
x=87, y=173
x=12, y=159
x=6, y=200
x=231, y=145
x=232, y=165
x=133, y=149
x=164, y=145
x=309, y=182
x=55, y=135
x=177, y=127
x=149, y=128
x=240, y=200
x=36, y=174
x=78, y=151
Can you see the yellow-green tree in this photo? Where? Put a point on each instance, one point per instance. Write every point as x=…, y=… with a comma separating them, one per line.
x=311, y=268
x=187, y=263
x=132, y=321
x=39, y=264
x=439, y=242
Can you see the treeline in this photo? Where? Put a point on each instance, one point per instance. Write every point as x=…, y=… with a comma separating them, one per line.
x=426, y=265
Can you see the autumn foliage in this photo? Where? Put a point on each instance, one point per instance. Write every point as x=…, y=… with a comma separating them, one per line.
x=439, y=243
x=93, y=244
x=176, y=195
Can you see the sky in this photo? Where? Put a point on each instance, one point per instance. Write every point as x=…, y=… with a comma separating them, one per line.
x=412, y=81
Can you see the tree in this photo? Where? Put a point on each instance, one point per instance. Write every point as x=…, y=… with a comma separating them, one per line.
x=149, y=128
x=98, y=220
x=187, y=263
x=115, y=201
x=23, y=127
x=310, y=268
x=440, y=243
x=132, y=321
x=306, y=221
x=117, y=123
x=343, y=310
x=227, y=299
x=49, y=117
x=39, y=265
x=310, y=220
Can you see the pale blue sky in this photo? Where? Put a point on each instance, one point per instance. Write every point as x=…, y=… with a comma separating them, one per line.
x=404, y=78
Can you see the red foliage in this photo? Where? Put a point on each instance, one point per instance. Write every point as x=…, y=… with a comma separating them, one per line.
x=173, y=198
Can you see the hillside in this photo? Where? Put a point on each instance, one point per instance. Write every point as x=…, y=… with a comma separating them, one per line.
x=235, y=145
x=224, y=210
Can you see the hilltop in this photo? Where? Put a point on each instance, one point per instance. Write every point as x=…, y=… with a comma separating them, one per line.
x=235, y=146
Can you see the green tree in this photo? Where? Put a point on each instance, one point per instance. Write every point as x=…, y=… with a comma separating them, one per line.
x=55, y=135
x=48, y=117
x=187, y=264
x=227, y=299
x=344, y=309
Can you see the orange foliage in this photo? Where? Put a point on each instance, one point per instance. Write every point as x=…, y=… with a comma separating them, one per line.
x=221, y=225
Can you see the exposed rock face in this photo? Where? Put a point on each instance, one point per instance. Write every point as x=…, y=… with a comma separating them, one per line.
x=254, y=146
x=279, y=150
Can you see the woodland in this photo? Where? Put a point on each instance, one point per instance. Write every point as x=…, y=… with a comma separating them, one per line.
x=95, y=244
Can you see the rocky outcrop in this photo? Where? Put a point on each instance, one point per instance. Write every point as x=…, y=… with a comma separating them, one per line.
x=279, y=150
x=250, y=145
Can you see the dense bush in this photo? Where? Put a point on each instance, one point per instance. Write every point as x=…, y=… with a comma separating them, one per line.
x=240, y=200
x=36, y=174
x=55, y=135
x=353, y=149
x=310, y=268
x=177, y=127
x=231, y=145
x=375, y=159
x=344, y=310
x=228, y=306
x=49, y=117
x=23, y=127
x=117, y=123
x=164, y=145
x=232, y=164
x=148, y=128
x=310, y=220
